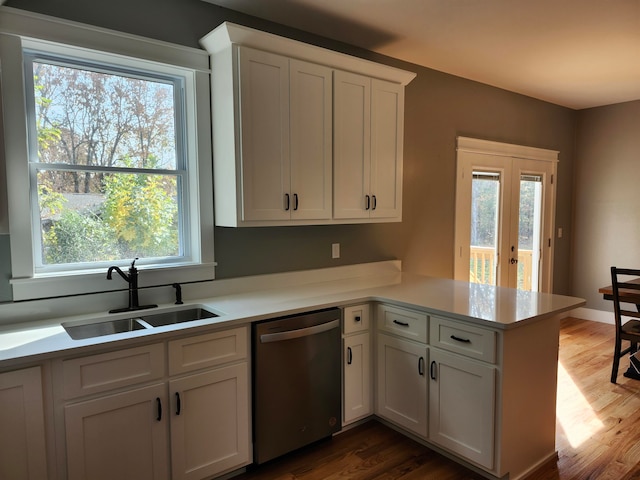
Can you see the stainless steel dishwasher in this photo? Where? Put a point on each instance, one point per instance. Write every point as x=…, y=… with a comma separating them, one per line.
x=296, y=382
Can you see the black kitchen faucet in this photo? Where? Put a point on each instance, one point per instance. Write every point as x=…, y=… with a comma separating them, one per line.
x=132, y=280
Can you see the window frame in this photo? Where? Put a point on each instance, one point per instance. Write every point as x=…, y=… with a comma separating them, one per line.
x=61, y=38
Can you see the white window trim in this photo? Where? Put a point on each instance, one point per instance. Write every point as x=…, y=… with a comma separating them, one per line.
x=17, y=30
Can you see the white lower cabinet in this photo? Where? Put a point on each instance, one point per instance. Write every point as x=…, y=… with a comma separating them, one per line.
x=436, y=378
x=127, y=417
x=121, y=436
x=209, y=422
x=462, y=406
x=357, y=377
x=357, y=369
x=22, y=431
x=402, y=383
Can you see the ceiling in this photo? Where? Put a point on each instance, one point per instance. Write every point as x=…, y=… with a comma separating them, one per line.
x=574, y=53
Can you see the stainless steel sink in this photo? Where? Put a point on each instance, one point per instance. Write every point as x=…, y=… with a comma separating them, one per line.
x=179, y=316
x=90, y=330
x=98, y=329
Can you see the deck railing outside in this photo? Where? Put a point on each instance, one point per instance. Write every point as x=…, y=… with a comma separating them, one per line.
x=483, y=269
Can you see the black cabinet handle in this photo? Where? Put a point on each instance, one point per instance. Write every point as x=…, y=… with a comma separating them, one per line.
x=295, y=201
x=432, y=370
x=286, y=202
x=368, y=202
x=357, y=318
x=159, y=405
x=421, y=366
x=458, y=339
x=178, y=404
x=349, y=356
x=402, y=324
x=375, y=203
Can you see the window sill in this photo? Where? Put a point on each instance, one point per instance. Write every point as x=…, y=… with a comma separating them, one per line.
x=62, y=285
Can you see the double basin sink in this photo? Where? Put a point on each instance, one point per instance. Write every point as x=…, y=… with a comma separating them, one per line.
x=79, y=331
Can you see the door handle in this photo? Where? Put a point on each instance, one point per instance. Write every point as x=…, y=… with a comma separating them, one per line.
x=432, y=370
x=295, y=201
x=349, y=356
x=421, y=366
x=368, y=205
x=286, y=202
x=375, y=202
x=178, y=403
x=514, y=260
x=301, y=332
x=159, y=405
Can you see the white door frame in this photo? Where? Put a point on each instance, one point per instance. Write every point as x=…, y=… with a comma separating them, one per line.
x=485, y=154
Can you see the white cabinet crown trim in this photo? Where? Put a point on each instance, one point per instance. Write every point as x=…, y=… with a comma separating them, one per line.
x=229, y=33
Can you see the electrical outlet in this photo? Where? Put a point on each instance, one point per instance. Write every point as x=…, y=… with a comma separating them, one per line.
x=335, y=250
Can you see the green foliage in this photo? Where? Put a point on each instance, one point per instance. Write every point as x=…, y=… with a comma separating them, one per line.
x=47, y=135
x=142, y=213
x=50, y=201
x=79, y=238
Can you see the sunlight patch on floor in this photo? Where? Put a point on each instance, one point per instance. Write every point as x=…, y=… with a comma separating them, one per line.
x=578, y=419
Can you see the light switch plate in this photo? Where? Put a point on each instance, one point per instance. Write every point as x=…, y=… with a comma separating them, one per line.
x=335, y=250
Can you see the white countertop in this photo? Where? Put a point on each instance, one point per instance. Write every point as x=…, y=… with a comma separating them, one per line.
x=481, y=304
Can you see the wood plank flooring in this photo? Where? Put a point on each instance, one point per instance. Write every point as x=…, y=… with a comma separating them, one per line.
x=597, y=434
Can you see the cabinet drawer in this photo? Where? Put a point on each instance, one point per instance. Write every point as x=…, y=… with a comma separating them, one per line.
x=459, y=337
x=406, y=323
x=99, y=373
x=203, y=351
x=356, y=318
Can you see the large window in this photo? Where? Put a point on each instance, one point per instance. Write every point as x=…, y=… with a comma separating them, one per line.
x=107, y=164
x=108, y=153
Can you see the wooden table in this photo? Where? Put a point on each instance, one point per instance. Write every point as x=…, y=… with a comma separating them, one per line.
x=626, y=295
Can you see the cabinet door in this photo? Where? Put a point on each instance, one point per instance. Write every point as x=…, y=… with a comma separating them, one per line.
x=264, y=132
x=311, y=140
x=352, y=145
x=461, y=406
x=402, y=383
x=22, y=434
x=210, y=422
x=387, y=126
x=121, y=436
x=357, y=378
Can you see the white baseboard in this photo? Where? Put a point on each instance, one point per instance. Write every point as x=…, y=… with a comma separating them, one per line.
x=592, y=314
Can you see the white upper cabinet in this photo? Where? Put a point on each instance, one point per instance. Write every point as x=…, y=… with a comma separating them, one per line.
x=368, y=136
x=352, y=150
x=387, y=132
x=277, y=138
x=264, y=135
x=310, y=142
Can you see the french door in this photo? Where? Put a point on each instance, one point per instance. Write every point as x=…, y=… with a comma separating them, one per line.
x=505, y=203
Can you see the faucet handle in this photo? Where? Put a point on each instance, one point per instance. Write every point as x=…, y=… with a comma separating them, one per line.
x=133, y=264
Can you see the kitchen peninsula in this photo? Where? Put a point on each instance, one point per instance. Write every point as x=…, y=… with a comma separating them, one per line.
x=486, y=355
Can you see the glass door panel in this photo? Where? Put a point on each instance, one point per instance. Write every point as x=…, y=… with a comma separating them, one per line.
x=485, y=208
x=529, y=232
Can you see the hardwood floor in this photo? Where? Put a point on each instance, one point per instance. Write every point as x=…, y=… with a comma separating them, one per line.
x=597, y=434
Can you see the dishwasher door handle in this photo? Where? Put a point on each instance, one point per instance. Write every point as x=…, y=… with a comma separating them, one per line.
x=300, y=332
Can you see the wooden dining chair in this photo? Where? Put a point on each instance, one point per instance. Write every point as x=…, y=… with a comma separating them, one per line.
x=625, y=292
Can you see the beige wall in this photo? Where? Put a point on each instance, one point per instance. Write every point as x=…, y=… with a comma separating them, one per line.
x=607, y=198
x=439, y=107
